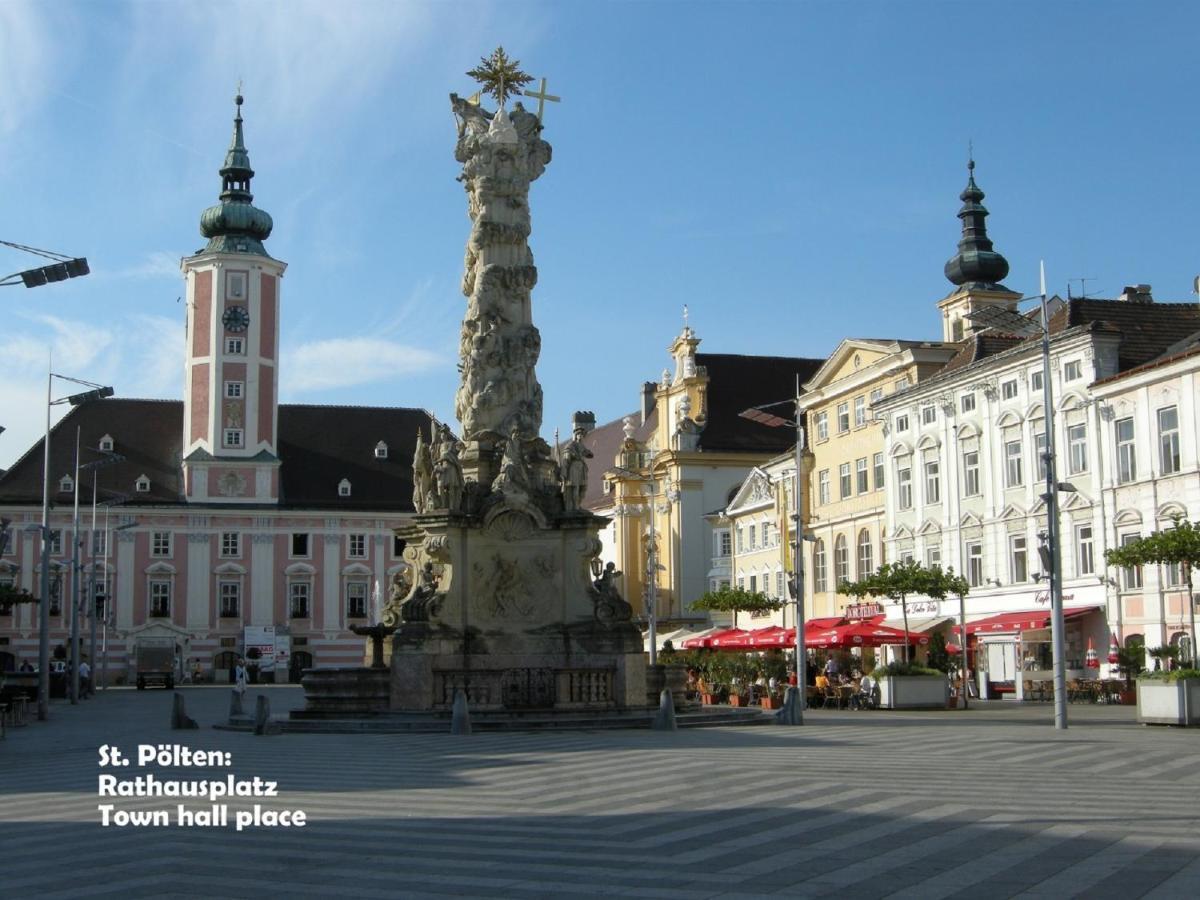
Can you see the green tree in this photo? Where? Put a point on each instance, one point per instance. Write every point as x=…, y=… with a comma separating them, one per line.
x=1178, y=545
x=898, y=580
x=10, y=595
x=735, y=600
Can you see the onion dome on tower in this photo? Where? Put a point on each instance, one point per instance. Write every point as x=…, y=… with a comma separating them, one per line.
x=975, y=264
x=235, y=225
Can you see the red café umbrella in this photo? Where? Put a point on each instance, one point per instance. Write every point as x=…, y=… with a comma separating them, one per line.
x=771, y=637
x=730, y=639
x=1114, y=655
x=855, y=634
x=1092, y=661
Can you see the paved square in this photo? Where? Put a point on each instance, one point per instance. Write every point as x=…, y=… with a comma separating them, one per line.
x=988, y=803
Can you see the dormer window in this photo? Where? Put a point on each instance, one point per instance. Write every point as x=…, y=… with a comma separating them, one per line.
x=344, y=487
x=381, y=450
x=106, y=443
x=66, y=485
x=142, y=485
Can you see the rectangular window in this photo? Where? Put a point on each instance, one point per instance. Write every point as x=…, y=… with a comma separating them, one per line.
x=356, y=599
x=966, y=403
x=56, y=594
x=1018, y=552
x=300, y=544
x=971, y=473
x=862, y=475
x=231, y=599
x=933, y=556
x=751, y=537
x=877, y=460
x=1008, y=389
x=860, y=412
x=933, y=481
x=1073, y=370
x=754, y=584
x=820, y=574
x=358, y=546
x=1035, y=381
x=741, y=544
x=724, y=544
x=231, y=543
x=1039, y=449
x=901, y=423
x=1076, y=449
x=843, y=417
x=1168, y=440
x=233, y=389
x=1085, y=561
x=904, y=484
x=1012, y=464
x=823, y=486
x=160, y=543
x=779, y=585
x=1131, y=578
x=844, y=480
x=974, y=563
x=233, y=437
x=902, y=383
x=876, y=396
x=1126, y=454
x=236, y=286
x=1173, y=575
x=235, y=346
x=822, y=426
x=928, y=415
x=160, y=599
x=99, y=545
x=55, y=542
x=298, y=600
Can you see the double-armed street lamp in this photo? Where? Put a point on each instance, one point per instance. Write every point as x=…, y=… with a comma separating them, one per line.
x=1011, y=322
x=652, y=565
x=95, y=392
x=760, y=415
x=60, y=268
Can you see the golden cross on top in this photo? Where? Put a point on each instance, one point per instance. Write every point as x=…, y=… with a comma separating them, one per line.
x=542, y=97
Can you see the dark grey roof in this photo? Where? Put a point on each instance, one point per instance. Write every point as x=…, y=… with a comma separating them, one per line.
x=318, y=447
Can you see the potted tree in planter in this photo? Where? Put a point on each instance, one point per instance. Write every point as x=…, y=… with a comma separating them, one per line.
x=1131, y=662
x=1168, y=697
x=903, y=685
x=735, y=600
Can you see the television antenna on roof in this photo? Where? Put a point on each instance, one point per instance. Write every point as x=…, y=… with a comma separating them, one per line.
x=1083, y=294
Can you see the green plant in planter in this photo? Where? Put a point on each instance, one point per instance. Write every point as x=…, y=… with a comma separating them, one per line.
x=939, y=656
x=1131, y=663
x=902, y=668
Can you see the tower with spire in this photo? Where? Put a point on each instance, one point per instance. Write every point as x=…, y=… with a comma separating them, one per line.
x=976, y=270
x=231, y=379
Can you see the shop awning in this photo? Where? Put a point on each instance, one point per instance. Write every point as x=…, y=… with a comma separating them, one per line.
x=1026, y=620
x=918, y=624
x=854, y=634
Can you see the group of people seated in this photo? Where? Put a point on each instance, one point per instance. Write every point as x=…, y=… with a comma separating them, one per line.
x=856, y=690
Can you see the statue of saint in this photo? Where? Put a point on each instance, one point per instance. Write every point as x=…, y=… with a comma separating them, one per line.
x=513, y=475
x=574, y=471
x=422, y=475
x=449, y=474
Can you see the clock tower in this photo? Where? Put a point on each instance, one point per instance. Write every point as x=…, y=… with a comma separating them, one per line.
x=231, y=380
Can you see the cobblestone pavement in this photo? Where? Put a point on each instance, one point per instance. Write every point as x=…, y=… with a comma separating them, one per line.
x=992, y=802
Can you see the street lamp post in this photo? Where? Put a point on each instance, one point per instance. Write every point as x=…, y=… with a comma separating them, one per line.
x=1050, y=552
x=758, y=414
x=109, y=458
x=652, y=567
x=97, y=392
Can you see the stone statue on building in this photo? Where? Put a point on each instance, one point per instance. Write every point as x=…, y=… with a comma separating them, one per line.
x=448, y=473
x=422, y=475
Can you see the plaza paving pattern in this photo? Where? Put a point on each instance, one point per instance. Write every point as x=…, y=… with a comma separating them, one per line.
x=992, y=802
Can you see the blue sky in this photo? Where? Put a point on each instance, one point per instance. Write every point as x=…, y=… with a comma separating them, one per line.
x=789, y=170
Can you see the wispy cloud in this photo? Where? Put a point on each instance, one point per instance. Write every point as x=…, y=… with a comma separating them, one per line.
x=158, y=264
x=349, y=362
x=28, y=56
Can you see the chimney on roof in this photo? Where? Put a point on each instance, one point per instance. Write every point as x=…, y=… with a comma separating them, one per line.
x=1136, y=293
x=584, y=420
x=648, y=401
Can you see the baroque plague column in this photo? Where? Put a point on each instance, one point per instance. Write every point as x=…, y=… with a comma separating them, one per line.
x=510, y=603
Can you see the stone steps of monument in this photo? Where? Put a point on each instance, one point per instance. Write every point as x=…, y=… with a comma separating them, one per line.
x=394, y=723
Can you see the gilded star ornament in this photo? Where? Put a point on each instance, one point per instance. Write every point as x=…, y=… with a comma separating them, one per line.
x=500, y=76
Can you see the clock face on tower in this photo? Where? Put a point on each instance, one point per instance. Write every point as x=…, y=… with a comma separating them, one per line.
x=236, y=318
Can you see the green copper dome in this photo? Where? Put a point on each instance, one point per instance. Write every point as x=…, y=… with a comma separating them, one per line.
x=235, y=225
x=975, y=263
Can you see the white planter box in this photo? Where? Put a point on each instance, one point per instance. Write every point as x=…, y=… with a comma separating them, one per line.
x=913, y=692
x=1169, y=703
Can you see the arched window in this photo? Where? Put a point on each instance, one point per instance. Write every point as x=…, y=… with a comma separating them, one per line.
x=865, y=563
x=841, y=561
x=820, y=575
